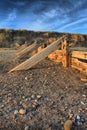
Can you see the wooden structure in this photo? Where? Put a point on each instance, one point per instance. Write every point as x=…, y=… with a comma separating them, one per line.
x=38, y=56
x=66, y=56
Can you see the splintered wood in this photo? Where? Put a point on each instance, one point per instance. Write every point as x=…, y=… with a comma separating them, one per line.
x=81, y=66
x=38, y=57
x=56, y=56
x=79, y=54
x=76, y=62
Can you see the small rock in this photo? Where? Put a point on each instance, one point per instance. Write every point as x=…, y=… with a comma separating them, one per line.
x=23, y=97
x=26, y=78
x=15, y=112
x=38, y=96
x=22, y=111
x=26, y=128
x=33, y=96
x=35, y=101
x=82, y=103
x=71, y=115
x=24, y=105
x=84, y=95
x=29, y=98
x=31, y=78
x=68, y=125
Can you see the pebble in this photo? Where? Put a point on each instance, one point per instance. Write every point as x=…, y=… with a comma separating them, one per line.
x=68, y=125
x=35, y=101
x=22, y=111
x=84, y=95
x=15, y=112
x=71, y=115
x=24, y=105
x=26, y=128
x=26, y=78
x=82, y=103
x=33, y=96
x=38, y=96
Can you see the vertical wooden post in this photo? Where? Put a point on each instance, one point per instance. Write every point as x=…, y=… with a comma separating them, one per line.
x=65, y=53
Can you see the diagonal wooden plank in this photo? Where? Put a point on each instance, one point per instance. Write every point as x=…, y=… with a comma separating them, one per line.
x=21, y=48
x=38, y=57
x=27, y=49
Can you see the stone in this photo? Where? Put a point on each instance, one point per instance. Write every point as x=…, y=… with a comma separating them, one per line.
x=38, y=96
x=35, y=101
x=68, y=125
x=26, y=78
x=24, y=105
x=26, y=128
x=15, y=112
x=33, y=96
x=82, y=103
x=22, y=111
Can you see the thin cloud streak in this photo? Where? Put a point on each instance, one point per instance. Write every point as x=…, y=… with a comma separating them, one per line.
x=73, y=23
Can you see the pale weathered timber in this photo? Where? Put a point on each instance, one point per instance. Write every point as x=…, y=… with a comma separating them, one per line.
x=83, y=49
x=38, y=57
x=27, y=49
x=79, y=54
x=21, y=48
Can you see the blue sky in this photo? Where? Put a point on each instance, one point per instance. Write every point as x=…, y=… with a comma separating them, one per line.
x=44, y=15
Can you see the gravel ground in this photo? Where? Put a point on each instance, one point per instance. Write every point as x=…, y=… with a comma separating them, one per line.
x=42, y=98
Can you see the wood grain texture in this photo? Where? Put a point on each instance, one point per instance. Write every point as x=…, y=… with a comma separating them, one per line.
x=38, y=57
x=79, y=54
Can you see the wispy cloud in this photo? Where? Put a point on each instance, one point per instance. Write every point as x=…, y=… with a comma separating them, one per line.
x=10, y=18
x=73, y=23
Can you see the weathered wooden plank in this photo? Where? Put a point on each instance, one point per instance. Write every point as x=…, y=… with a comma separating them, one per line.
x=56, y=56
x=38, y=57
x=81, y=66
x=21, y=48
x=83, y=49
x=79, y=54
x=79, y=63
x=27, y=49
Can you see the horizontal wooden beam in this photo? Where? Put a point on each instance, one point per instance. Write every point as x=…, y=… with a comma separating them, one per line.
x=79, y=54
x=39, y=56
x=83, y=49
x=76, y=61
x=81, y=66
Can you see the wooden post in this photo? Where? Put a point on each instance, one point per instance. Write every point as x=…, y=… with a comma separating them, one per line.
x=65, y=53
